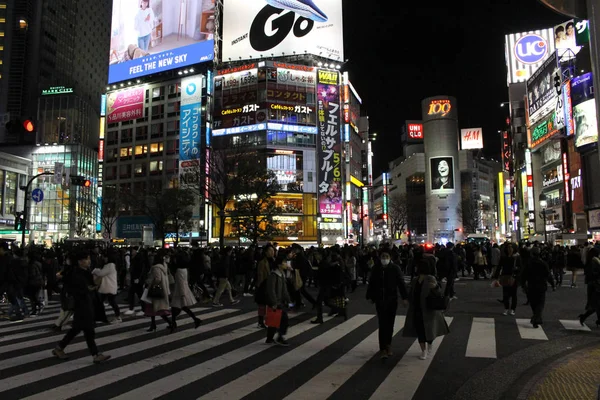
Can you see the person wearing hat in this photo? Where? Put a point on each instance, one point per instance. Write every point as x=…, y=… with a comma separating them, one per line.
x=385, y=282
x=534, y=280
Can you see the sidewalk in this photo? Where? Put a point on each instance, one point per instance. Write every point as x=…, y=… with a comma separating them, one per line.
x=573, y=377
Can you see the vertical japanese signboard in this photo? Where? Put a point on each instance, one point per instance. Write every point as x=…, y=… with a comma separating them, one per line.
x=190, y=128
x=329, y=153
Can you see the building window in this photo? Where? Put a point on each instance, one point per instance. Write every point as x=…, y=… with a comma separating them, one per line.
x=141, y=150
x=158, y=111
x=126, y=152
x=157, y=130
x=173, y=109
x=141, y=133
x=125, y=171
x=139, y=170
x=156, y=148
x=156, y=167
x=158, y=93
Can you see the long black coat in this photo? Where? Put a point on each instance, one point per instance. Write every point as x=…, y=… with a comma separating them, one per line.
x=384, y=284
x=80, y=285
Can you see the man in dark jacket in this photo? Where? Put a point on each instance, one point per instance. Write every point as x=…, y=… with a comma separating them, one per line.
x=136, y=286
x=80, y=286
x=17, y=281
x=534, y=280
x=385, y=282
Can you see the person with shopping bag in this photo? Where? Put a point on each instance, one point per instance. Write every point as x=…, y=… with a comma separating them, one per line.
x=278, y=298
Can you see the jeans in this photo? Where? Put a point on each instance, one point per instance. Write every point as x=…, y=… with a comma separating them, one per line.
x=144, y=42
x=386, y=316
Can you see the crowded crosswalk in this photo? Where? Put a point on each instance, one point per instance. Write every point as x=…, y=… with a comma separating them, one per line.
x=227, y=358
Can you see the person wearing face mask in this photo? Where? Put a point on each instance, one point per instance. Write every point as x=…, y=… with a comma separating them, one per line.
x=385, y=282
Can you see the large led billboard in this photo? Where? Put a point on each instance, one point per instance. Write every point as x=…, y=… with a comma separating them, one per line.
x=525, y=52
x=257, y=28
x=541, y=94
x=330, y=143
x=584, y=110
x=150, y=36
x=442, y=175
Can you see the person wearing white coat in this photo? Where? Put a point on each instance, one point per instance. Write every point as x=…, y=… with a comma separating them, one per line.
x=182, y=297
x=108, y=282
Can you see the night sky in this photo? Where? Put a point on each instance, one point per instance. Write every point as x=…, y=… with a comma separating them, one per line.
x=400, y=52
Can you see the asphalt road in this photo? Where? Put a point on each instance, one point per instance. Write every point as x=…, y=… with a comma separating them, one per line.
x=485, y=356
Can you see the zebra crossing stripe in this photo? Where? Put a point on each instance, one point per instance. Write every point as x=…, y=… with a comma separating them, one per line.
x=574, y=325
x=182, y=378
x=103, y=328
x=527, y=331
x=326, y=382
x=248, y=383
x=404, y=380
x=71, y=365
x=482, y=339
x=114, y=375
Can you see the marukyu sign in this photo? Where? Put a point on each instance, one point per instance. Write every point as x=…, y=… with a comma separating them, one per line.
x=414, y=131
x=253, y=28
x=125, y=105
x=330, y=146
x=471, y=138
x=190, y=127
x=525, y=52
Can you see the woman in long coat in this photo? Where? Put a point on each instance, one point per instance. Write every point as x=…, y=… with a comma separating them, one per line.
x=422, y=322
x=182, y=297
x=158, y=306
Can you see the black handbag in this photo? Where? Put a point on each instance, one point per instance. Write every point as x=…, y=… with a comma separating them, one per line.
x=155, y=292
x=437, y=301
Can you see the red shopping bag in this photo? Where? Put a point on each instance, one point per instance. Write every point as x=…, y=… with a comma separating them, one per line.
x=273, y=318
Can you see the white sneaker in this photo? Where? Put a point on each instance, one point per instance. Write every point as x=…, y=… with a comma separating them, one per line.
x=423, y=355
x=512, y=312
x=129, y=312
x=505, y=312
x=140, y=314
x=247, y=294
x=116, y=320
x=429, y=349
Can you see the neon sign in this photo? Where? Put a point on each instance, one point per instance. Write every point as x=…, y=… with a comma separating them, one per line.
x=437, y=107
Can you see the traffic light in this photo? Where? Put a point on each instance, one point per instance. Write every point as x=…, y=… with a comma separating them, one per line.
x=29, y=126
x=19, y=221
x=80, y=181
x=20, y=126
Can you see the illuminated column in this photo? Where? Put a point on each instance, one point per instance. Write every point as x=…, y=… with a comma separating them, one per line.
x=442, y=172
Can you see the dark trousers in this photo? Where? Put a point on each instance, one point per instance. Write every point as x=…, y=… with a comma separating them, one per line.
x=537, y=300
x=283, y=327
x=509, y=295
x=134, y=289
x=386, y=316
x=320, y=299
x=32, y=293
x=307, y=296
x=449, y=291
x=89, y=335
x=112, y=300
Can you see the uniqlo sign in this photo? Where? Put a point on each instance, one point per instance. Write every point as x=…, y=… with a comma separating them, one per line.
x=414, y=131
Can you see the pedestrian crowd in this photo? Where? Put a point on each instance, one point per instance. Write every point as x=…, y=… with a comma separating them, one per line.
x=166, y=282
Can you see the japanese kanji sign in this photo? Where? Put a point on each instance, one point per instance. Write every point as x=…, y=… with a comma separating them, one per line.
x=329, y=142
x=125, y=105
x=190, y=127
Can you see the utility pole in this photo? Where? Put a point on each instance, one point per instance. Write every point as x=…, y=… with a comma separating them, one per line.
x=25, y=206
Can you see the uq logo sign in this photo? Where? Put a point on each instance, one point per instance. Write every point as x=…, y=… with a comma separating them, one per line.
x=531, y=49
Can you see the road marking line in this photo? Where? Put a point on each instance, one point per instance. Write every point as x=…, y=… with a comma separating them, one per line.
x=482, y=339
x=404, y=380
x=326, y=382
x=173, y=382
x=527, y=331
x=574, y=325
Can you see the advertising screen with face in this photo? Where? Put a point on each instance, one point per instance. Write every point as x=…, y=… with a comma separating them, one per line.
x=584, y=110
x=150, y=36
x=442, y=175
x=565, y=40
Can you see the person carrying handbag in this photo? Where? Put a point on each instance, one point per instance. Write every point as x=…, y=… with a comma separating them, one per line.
x=277, y=300
x=507, y=272
x=425, y=317
x=156, y=294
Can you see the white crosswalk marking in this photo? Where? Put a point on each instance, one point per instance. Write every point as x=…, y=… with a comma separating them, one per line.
x=482, y=339
x=210, y=362
x=574, y=325
x=326, y=382
x=248, y=383
x=527, y=331
x=405, y=378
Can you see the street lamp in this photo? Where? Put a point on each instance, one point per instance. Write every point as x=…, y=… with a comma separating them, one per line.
x=543, y=205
